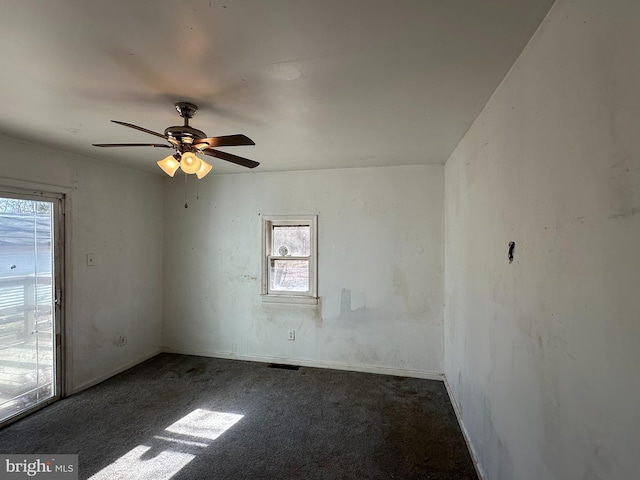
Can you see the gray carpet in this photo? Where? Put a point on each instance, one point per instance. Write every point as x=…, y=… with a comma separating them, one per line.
x=166, y=418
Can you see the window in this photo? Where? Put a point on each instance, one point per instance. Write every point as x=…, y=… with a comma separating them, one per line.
x=289, y=258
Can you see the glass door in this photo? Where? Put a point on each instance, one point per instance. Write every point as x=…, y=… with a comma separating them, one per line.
x=30, y=293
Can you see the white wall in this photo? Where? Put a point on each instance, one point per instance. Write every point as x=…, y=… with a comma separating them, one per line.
x=543, y=354
x=115, y=213
x=380, y=269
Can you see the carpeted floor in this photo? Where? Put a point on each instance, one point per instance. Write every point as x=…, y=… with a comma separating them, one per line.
x=192, y=418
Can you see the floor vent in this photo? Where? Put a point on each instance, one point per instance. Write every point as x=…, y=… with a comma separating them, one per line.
x=284, y=366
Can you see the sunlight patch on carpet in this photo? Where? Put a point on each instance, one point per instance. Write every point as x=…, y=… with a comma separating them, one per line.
x=204, y=424
x=164, y=459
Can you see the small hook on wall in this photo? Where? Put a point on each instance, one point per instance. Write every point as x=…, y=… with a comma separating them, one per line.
x=512, y=246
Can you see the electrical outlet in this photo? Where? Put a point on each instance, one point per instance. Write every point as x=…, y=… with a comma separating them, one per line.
x=291, y=335
x=91, y=259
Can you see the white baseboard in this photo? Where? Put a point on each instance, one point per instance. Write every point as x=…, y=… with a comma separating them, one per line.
x=465, y=434
x=310, y=363
x=122, y=368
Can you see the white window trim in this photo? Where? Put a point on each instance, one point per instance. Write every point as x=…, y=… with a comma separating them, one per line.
x=309, y=297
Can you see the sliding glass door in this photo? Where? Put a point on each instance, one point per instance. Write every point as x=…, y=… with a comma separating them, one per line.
x=30, y=293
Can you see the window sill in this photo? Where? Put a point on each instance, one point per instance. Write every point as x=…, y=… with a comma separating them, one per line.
x=300, y=300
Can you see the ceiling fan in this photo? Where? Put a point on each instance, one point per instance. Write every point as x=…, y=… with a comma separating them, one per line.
x=188, y=142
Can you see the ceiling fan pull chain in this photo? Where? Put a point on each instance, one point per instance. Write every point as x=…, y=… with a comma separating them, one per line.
x=186, y=196
x=197, y=193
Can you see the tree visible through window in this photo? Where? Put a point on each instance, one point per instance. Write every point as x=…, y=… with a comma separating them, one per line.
x=289, y=246
x=290, y=258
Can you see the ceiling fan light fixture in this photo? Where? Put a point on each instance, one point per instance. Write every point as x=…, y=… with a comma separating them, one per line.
x=204, y=169
x=169, y=165
x=190, y=163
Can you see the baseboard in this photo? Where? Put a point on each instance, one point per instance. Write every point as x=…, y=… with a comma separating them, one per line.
x=116, y=371
x=310, y=363
x=465, y=434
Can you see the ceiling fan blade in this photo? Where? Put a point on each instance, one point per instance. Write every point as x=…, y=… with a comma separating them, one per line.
x=224, y=141
x=157, y=145
x=140, y=128
x=245, y=162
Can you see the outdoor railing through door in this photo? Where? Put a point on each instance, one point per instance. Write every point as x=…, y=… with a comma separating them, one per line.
x=26, y=374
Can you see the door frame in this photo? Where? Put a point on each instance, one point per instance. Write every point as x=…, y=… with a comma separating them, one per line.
x=59, y=202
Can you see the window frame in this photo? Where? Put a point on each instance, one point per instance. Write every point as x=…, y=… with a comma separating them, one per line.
x=309, y=296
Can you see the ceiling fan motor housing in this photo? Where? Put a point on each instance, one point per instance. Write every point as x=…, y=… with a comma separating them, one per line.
x=180, y=132
x=182, y=136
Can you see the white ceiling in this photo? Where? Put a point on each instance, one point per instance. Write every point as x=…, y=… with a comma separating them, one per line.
x=315, y=83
